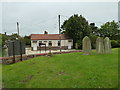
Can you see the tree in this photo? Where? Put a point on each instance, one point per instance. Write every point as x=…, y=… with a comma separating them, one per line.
x=0, y=41
x=14, y=36
x=76, y=27
x=26, y=40
x=4, y=38
x=110, y=29
x=94, y=29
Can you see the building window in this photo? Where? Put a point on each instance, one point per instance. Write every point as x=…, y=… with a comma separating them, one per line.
x=58, y=43
x=69, y=40
x=45, y=41
x=34, y=41
x=40, y=41
x=50, y=43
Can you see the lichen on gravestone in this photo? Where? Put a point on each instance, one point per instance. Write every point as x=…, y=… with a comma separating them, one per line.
x=100, y=45
x=86, y=45
x=107, y=45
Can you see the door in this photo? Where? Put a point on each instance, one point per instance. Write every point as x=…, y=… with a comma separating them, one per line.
x=69, y=45
x=34, y=46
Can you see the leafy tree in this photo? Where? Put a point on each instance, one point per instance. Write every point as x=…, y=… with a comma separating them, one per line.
x=94, y=29
x=93, y=41
x=110, y=29
x=76, y=27
x=14, y=36
x=26, y=40
x=0, y=40
x=4, y=38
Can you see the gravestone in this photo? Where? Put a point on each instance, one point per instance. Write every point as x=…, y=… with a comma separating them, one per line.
x=18, y=48
x=86, y=45
x=107, y=45
x=99, y=45
x=76, y=45
x=5, y=52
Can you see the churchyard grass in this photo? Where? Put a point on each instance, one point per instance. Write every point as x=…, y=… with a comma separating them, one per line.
x=0, y=76
x=73, y=70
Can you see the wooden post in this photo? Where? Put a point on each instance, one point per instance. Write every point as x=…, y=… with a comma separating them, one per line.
x=40, y=48
x=18, y=28
x=21, y=50
x=49, y=49
x=59, y=32
x=13, y=52
x=45, y=48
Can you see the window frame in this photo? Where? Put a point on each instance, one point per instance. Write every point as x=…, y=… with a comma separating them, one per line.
x=50, y=43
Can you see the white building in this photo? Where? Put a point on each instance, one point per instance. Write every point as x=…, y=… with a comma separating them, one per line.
x=39, y=41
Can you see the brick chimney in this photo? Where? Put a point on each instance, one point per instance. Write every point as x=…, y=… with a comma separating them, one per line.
x=45, y=32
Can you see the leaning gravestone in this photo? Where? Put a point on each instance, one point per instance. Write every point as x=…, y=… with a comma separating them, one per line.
x=100, y=45
x=86, y=45
x=107, y=45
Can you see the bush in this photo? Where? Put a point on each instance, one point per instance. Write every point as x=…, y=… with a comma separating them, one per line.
x=79, y=42
x=115, y=43
x=93, y=41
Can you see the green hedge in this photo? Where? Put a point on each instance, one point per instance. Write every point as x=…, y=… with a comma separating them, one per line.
x=93, y=41
x=79, y=42
x=115, y=43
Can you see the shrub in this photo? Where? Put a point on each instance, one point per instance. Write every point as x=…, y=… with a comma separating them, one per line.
x=93, y=41
x=115, y=43
x=79, y=42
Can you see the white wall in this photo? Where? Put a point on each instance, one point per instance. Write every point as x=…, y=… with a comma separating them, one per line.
x=54, y=43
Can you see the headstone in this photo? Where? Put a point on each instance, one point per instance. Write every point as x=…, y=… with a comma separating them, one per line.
x=76, y=45
x=5, y=52
x=107, y=45
x=86, y=45
x=99, y=45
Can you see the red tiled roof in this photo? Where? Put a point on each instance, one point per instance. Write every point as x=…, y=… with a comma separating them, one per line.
x=48, y=37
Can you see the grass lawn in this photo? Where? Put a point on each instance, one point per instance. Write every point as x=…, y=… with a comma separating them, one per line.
x=0, y=75
x=72, y=70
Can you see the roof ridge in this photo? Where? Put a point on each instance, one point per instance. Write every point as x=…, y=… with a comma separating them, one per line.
x=48, y=36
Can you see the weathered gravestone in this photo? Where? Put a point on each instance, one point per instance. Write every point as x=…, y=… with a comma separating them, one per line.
x=5, y=52
x=99, y=45
x=86, y=45
x=107, y=45
x=17, y=48
x=76, y=45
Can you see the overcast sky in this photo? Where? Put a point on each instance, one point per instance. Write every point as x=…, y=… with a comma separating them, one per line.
x=36, y=17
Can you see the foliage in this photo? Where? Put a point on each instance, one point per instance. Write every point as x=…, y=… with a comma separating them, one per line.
x=94, y=29
x=0, y=41
x=14, y=36
x=109, y=29
x=79, y=42
x=93, y=41
x=3, y=39
x=6, y=38
x=76, y=27
x=72, y=70
x=115, y=43
x=26, y=40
